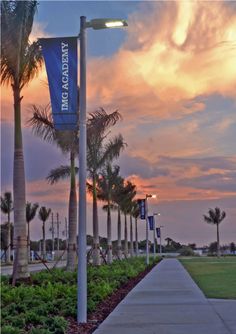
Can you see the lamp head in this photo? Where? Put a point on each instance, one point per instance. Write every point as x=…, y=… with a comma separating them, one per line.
x=151, y=196
x=156, y=214
x=106, y=23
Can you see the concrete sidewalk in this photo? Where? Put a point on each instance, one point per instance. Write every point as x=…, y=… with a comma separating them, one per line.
x=167, y=301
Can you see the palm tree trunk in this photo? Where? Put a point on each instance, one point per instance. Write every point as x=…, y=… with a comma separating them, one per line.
x=96, y=247
x=20, y=239
x=136, y=236
x=131, y=238
x=28, y=240
x=218, y=240
x=119, y=234
x=44, y=242
x=126, y=237
x=71, y=252
x=8, y=255
x=109, y=244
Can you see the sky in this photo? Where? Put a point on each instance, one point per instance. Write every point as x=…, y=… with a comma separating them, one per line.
x=172, y=75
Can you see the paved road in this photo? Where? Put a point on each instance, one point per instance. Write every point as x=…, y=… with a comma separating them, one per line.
x=167, y=301
x=7, y=270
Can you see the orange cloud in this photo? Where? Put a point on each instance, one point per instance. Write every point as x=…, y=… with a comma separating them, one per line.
x=168, y=59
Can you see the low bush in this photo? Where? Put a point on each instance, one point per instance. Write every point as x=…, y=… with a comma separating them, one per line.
x=41, y=308
x=186, y=251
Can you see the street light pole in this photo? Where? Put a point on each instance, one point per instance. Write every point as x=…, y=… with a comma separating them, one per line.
x=154, y=231
x=82, y=264
x=154, y=237
x=147, y=241
x=53, y=250
x=160, y=242
x=82, y=241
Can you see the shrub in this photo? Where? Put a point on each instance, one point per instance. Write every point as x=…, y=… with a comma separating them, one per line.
x=186, y=251
x=40, y=308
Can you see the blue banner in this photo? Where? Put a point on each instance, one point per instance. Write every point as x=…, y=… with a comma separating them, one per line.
x=61, y=60
x=151, y=222
x=142, y=208
x=158, y=230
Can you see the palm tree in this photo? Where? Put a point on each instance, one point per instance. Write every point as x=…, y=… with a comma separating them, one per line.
x=67, y=141
x=127, y=194
x=6, y=208
x=20, y=62
x=43, y=215
x=215, y=216
x=135, y=214
x=101, y=150
x=107, y=183
x=31, y=210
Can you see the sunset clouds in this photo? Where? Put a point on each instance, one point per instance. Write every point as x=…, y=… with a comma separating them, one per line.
x=169, y=58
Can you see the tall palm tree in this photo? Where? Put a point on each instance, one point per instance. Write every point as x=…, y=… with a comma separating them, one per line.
x=67, y=141
x=215, y=217
x=101, y=150
x=31, y=210
x=127, y=194
x=43, y=215
x=20, y=62
x=135, y=213
x=6, y=208
x=107, y=183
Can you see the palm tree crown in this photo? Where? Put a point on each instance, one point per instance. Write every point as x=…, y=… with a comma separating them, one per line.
x=215, y=216
x=31, y=210
x=20, y=59
x=6, y=203
x=44, y=213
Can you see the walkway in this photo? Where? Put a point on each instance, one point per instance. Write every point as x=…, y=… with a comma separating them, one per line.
x=167, y=301
x=7, y=270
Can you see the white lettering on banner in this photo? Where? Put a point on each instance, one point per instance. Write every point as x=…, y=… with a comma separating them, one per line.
x=65, y=77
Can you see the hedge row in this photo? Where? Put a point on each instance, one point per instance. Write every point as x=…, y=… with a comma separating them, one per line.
x=42, y=308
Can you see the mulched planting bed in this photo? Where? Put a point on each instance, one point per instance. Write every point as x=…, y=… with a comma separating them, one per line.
x=104, y=308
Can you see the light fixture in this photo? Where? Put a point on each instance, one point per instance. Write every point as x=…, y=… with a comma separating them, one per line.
x=106, y=23
x=156, y=214
x=151, y=196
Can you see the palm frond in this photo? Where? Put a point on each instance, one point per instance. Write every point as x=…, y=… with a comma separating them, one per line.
x=42, y=124
x=112, y=149
x=223, y=215
x=113, y=207
x=31, y=63
x=60, y=173
x=100, y=121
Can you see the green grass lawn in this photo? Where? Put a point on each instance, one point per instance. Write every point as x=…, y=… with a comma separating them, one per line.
x=215, y=277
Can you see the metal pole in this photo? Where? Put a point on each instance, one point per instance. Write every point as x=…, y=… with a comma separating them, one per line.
x=160, y=243
x=147, y=245
x=82, y=263
x=53, y=250
x=58, y=234
x=154, y=237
